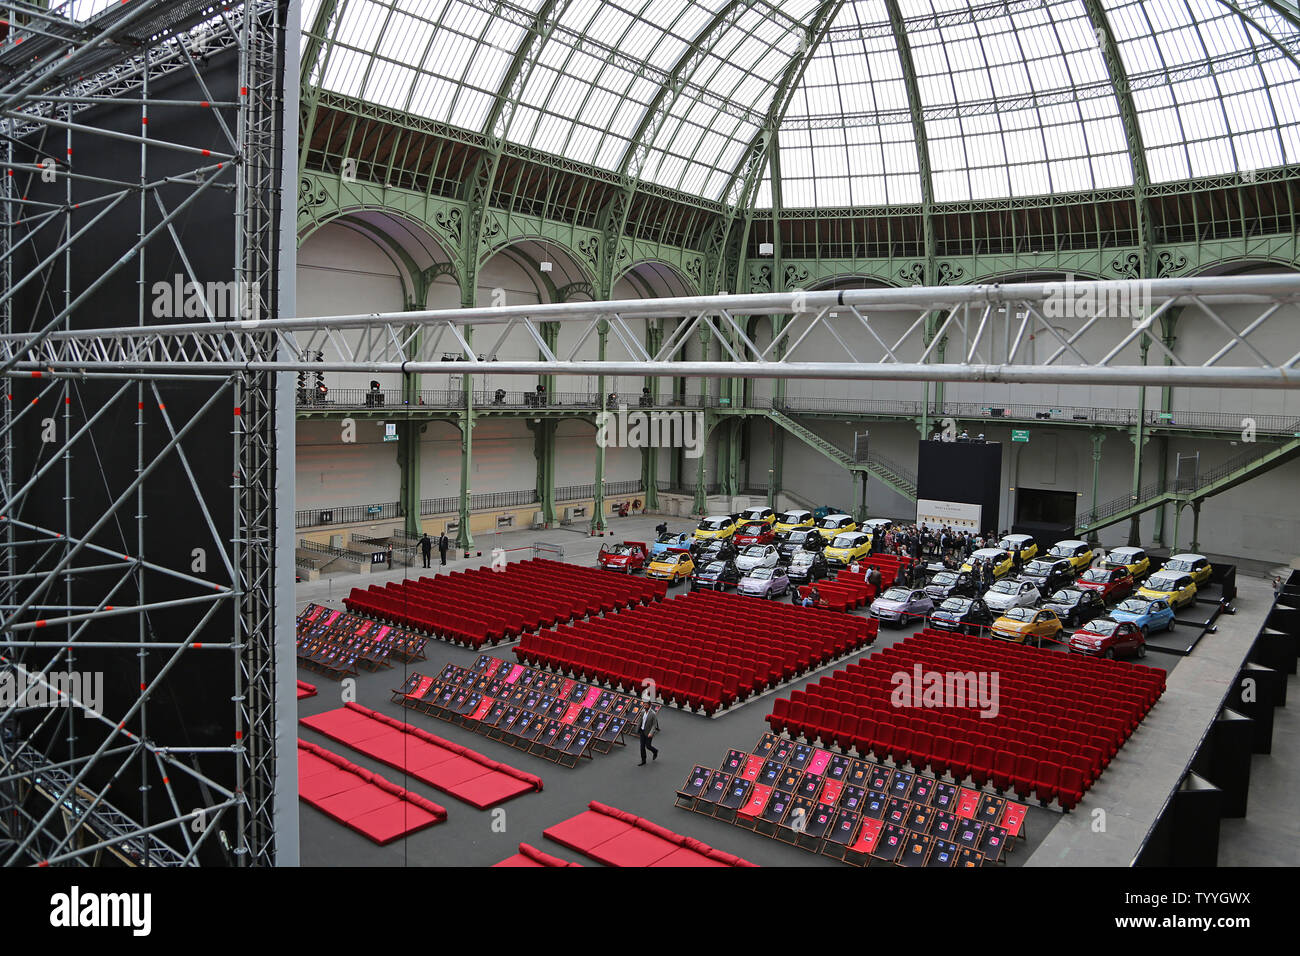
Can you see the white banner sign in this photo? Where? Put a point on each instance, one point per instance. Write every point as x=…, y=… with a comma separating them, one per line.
x=954, y=514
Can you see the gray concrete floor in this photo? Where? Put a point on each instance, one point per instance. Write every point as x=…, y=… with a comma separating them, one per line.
x=1146, y=767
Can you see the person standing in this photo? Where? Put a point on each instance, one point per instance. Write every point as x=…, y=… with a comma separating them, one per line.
x=647, y=729
x=443, y=545
x=426, y=549
x=390, y=556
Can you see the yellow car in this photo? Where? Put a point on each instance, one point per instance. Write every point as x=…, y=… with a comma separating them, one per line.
x=1134, y=560
x=758, y=513
x=1022, y=543
x=672, y=566
x=715, y=527
x=792, y=521
x=1173, y=586
x=1027, y=625
x=1002, y=563
x=1197, y=565
x=832, y=525
x=1078, y=553
x=847, y=547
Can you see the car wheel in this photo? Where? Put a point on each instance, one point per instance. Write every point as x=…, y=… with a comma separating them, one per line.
x=1142, y=650
x=1171, y=625
x=1110, y=653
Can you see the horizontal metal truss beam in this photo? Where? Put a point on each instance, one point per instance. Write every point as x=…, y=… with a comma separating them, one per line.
x=1106, y=322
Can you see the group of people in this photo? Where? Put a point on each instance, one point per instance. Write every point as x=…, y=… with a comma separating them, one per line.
x=944, y=543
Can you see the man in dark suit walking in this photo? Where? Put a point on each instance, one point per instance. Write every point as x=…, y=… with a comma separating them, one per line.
x=647, y=728
x=443, y=545
x=426, y=549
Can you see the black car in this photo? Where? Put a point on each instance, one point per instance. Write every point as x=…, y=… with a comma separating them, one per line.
x=946, y=584
x=1076, y=606
x=1049, y=574
x=715, y=576
x=801, y=539
x=965, y=615
x=805, y=567
x=706, y=552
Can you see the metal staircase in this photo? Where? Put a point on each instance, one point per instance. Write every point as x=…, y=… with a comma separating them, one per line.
x=1164, y=490
x=892, y=474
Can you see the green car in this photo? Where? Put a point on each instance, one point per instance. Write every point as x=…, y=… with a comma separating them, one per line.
x=824, y=510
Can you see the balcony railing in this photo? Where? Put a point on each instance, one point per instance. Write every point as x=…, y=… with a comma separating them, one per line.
x=348, y=399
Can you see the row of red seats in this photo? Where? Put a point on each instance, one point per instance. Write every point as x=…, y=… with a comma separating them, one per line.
x=414, y=602
x=893, y=567
x=698, y=656
x=587, y=580
x=1057, y=760
x=792, y=654
x=706, y=690
x=452, y=626
x=534, y=600
x=702, y=610
x=682, y=620
x=740, y=610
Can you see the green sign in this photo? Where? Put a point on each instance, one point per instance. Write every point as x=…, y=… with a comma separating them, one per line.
x=1020, y=434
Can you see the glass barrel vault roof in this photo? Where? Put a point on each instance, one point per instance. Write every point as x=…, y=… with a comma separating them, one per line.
x=1014, y=98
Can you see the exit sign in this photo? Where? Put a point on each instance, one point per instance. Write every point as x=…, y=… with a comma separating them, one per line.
x=1020, y=434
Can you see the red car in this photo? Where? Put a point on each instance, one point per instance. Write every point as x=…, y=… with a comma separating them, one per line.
x=756, y=532
x=1106, y=638
x=627, y=557
x=1111, y=584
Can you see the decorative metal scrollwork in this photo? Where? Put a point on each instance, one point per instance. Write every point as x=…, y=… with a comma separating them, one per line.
x=1130, y=266
x=449, y=223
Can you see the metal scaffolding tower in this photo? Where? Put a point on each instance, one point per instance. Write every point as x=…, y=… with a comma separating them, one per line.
x=128, y=130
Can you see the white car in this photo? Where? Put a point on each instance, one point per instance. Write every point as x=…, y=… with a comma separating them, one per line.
x=1006, y=594
x=875, y=526
x=757, y=556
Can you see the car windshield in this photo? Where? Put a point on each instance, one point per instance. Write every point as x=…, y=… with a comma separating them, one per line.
x=831, y=523
x=1124, y=557
x=1038, y=567
x=1173, y=565
x=1103, y=626
x=756, y=550
x=802, y=558
x=845, y=541
x=717, y=567
x=1006, y=587
x=620, y=549
x=712, y=524
x=794, y=517
x=1096, y=575
x=944, y=578
x=955, y=605
x=1020, y=614
x=1133, y=606
x=897, y=594
x=753, y=529
x=798, y=537
x=761, y=574
x=1163, y=582
x=1011, y=544
x=1062, y=551
x=983, y=553
x=1066, y=597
